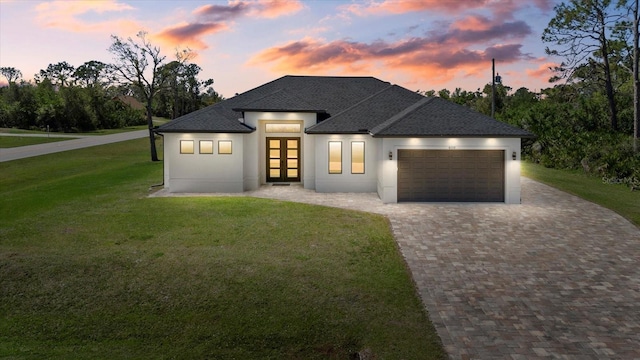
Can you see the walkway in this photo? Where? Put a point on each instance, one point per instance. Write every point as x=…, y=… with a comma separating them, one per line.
x=556, y=277
x=21, y=152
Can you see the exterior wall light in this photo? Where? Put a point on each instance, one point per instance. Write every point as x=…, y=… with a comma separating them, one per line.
x=390, y=155
x=514, y=155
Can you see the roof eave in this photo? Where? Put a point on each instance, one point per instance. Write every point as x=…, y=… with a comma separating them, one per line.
x=278, y=110
x=337, y=132
x=200, y=131
x=453, y=136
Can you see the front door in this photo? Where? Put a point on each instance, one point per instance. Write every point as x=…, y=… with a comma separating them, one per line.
x=283, y=159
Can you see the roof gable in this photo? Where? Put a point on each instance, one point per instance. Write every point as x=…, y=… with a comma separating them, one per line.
x=368, y=113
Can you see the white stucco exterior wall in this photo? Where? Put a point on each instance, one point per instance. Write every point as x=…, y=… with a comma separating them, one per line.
x=388, y=169
x=203, y=172
x=346, y=181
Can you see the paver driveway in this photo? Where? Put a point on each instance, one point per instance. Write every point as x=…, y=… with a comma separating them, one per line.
x=554, y=277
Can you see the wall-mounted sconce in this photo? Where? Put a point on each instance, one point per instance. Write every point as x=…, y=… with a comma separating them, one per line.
x=514, y=155
x=390, y=155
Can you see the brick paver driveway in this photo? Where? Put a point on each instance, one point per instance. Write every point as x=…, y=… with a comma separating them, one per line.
x=554, y=277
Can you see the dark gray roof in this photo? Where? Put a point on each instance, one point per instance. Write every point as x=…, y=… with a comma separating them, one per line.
x=212, y=119
x=280, y=100
x=368, y=113
x=328, y=94
x=350, y=105
x=437, y=117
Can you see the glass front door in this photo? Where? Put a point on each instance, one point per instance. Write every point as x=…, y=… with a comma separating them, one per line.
x=283, y=159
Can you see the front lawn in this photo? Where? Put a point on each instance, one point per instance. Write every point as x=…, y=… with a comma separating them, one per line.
x=618, y=198
x=92, y=268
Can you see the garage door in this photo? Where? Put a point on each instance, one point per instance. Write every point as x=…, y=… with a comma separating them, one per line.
x=451, y=175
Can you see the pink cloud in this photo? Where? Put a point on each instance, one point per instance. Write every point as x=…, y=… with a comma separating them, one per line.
x=189, y=35
x=543, y=72
x=471, y=23
x=415, y=57
x=65, y=15
x=401, y=7
x=213, y=18
x=276, y=8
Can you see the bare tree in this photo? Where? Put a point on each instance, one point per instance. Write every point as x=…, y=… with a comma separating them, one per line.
x=140, y=63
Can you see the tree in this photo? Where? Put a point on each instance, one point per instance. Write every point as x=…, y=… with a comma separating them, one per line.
x=92, y=73
x=633, y=24
x=581, y=30
x=60, y=74
x=184, y=92
x=138, y=63
x=11, y=74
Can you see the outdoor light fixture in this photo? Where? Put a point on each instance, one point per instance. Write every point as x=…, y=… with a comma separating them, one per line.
x=390, y=155
x=514, y=155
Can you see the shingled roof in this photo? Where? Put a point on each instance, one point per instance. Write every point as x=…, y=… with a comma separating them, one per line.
x=351, y=105
x=320, y=94
x=437, y=117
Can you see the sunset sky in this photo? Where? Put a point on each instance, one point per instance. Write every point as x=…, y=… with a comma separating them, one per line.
x=418, y=44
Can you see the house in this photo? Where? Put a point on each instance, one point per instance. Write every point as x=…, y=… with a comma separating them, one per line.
x=130, y=101
x=344, y=134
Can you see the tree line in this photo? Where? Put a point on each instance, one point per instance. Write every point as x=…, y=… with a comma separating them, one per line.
x=589, y=119
x=96, y=95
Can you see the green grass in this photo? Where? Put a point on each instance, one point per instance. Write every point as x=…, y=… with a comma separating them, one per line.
x=156, y=121
x=618, y=198
x=15, y=141
x=90, y=267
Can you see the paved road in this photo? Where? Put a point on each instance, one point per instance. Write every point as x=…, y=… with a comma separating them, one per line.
x=22, y=152
x=556, y=277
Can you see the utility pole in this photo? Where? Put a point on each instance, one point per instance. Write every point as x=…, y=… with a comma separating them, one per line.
x=493, y=88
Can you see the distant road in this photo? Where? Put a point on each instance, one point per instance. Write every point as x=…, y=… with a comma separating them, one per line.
x=22, y=152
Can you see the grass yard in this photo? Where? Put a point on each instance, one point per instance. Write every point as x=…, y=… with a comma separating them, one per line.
x=92, y=268
x=618, y=198
x=15, y=141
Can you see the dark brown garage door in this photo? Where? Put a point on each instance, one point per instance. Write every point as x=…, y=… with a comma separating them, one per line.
x=451, y=175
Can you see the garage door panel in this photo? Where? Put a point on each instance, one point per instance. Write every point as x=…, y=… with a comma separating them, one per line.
x=450, y=175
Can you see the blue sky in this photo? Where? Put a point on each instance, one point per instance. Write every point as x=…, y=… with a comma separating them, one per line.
x=418, y=44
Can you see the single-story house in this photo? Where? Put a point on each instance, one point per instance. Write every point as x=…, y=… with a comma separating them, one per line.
x=344, y=134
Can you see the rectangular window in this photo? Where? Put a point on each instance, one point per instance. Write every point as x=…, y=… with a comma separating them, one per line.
x=186, y=146
x=224, y=146
x=357, y=157
x=335, y=157
x=206, y=147
x=282, y=128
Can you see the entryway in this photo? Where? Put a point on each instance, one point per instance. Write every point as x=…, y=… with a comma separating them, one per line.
x=283, y=159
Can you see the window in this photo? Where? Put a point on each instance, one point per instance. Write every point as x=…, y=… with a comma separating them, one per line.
x=282, y=128
x=186, y=146
x=224, y=146
x=335, y=157
x=206, y=147
x=357, y=157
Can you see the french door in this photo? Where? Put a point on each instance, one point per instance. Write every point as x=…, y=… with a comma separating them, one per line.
x=283, y=159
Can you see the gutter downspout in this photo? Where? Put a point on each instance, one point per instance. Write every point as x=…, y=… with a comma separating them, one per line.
x=161, y=184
